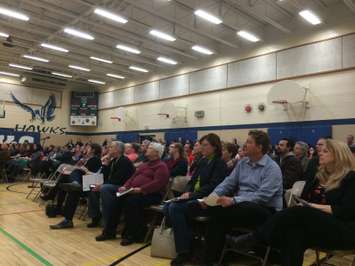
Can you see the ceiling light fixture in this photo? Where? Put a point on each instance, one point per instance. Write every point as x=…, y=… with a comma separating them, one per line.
x=115, y=76
x=13, y=14
x=248, y=36
x=9, y=74
x=97, y=81
x=128, y=49
x=101, y=60
x=110, y=15
x=207, y=16
x=162, y=35
x=3, y=34
x=62, y=75
x=40, y=59
x=201, y=49
x=166, y=60
x=140, y=69
x=79, y=34
x=20, y=66
x=54, y=47
x=309, y=16
x=79, y=68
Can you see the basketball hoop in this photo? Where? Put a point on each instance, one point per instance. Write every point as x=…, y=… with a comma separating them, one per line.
x=115, y=118
x=164, y=114
x=288, y=94
x=280, y=102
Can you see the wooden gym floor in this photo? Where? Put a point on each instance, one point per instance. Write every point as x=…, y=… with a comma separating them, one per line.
x=25, y=239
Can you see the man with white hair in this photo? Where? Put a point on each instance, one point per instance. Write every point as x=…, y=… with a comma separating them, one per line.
x=147, y=187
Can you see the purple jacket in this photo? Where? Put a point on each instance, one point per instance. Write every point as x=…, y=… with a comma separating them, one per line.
x=151, y=177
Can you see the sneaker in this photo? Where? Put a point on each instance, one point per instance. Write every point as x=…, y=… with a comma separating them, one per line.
x=104, y=237
x=180, y=260
x=62, y=225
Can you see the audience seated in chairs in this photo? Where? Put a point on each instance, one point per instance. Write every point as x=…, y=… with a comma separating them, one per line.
x=117, y=169
x=73, y=185
x=290, y=166
x=130, y=152
x=313, y=164
x=148, y=186
x=247, y=197
x=301, y=152
x=210, y=171
x=327, y=221
x=229, y=151
x=177, y=162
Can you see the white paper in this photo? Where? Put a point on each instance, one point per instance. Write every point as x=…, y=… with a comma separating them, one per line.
x=94, y=179
x=120, y=194
x=211, y=200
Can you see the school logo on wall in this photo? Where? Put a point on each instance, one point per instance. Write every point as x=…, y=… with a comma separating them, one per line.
x=43, y=114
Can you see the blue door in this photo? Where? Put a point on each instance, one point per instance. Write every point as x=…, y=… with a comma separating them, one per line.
x=309, y=134
x=130, y=137
x=180, y=135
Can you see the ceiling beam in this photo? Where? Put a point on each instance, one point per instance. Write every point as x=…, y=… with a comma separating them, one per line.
x=182, y=25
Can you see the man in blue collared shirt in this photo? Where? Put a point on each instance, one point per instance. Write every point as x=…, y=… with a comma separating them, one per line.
x=247, y=197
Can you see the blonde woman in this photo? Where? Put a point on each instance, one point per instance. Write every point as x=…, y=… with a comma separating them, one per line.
x=325, y=217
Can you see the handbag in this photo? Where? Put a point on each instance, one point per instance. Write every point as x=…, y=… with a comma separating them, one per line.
x=163, y=243
x=179, y=183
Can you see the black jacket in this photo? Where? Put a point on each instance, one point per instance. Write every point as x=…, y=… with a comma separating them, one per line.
x=180, y=168
x=118, y=171
x=341, y=199
x=312, y=168
x=211, y=173
x=291, y=169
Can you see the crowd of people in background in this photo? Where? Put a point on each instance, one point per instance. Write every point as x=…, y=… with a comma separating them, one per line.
x=249, y=178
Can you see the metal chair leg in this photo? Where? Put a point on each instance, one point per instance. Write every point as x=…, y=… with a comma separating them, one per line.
x=266, y=256
x=225, y=250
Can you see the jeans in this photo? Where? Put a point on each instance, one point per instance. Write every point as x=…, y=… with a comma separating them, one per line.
x=179, y=215
x=94, y=204
x=111, y=211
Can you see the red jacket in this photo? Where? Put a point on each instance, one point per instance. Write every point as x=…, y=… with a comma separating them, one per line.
x=151, y=177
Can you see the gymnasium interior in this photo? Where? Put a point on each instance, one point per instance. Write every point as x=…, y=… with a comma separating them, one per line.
x=81, y=77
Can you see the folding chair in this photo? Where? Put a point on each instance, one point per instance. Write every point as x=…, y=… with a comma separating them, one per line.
x=38, y=183
x=158, y=211
x=228, y=247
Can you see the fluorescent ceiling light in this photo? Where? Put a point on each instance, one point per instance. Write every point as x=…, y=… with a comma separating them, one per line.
x=3, y=34
x=62, y=75
x=248, y=36
x=13, y=14
x=110, y=15
x=310, y=17
x=9, y=74
x=139, y=69
x=128, y=49
x=207, y=16
x=79, y=68
x=115, y=76
x=162, y=35
x=97, y=81
x=54, y=47
x=166, y=60
x=100, y=60
x=20, y=66
x=79, y=34
x=201, y=49
x=35, y=58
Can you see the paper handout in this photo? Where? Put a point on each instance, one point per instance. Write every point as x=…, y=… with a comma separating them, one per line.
x=211, y=200
x=120, y=194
